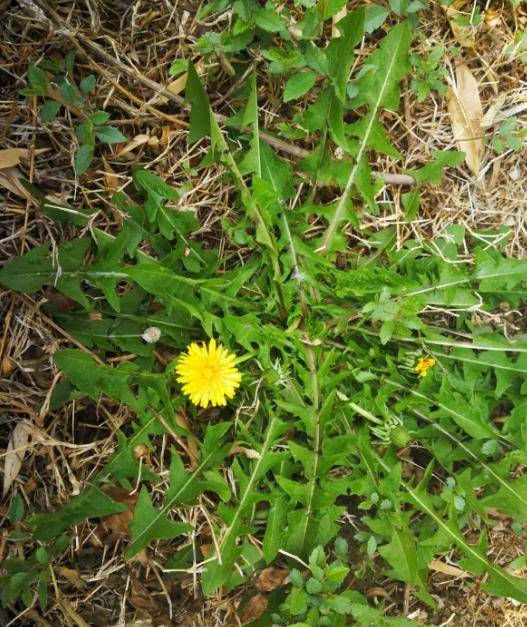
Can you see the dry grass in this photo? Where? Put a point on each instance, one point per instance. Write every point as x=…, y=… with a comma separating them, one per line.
x=94, y=585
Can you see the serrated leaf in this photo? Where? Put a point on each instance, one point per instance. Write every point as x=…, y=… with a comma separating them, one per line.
x=83, y=158
x=37, y=80
x=340, y=52
x=268, y=20
x=30, y=272
x=150, y=524
x=380, y=89
x=109, y=135
x=49, y=111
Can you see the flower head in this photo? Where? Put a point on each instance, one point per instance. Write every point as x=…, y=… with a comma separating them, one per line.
x=423, y=366
x=208, y=374
x=151, y=335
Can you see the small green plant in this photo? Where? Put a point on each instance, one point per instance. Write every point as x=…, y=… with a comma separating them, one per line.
x=55, y=83
x=319, y=596
x=429, y=75
x=510, y=136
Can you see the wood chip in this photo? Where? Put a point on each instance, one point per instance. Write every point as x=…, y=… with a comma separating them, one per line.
x=466, y=114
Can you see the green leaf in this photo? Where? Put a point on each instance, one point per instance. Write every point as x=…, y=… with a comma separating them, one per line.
x=200, y=124
x=49, y=111
x=83, y=158
x=219, y=569
x=92, y=379
x=37, y=80
x=87, y=84
x=30, y=272
x=298, y=84
x=433, y=172
x=340, y=52
x=274, y=530
x=109, y=135
x=268, y=20
x=92, y=503
x=99, y=117
x=252, y=160
x=276, y=172
x=374, y=16
x=151, y=524
x=379, y=89
x=68, y=93
x=16, y=509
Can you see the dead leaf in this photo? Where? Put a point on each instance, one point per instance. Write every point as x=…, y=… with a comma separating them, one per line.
x=120, y=523
x=447, y=569
x=178, y=85
x=192, y=446
x=466, y=114
x=6, y=366
x=138, y=140
x=12, y=156
x=492, y=18
x=142, y=600
x=375, y=593
x=463, y=33
x=63, y=303
x=489, y=119
x=11, y=179
x=112, y=180
x=250, y=453
x=270, y=578
x=253, y=609
x=73, y=576
x=14, y=456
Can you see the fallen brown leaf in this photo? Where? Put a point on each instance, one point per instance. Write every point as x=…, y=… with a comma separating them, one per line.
x=192, y=445
x=447, y=569
x=270, y=578
x=73, y=576
x=14, y=456
x=138, y=140
x=142, y=600
x=179, y=84
x=466, y=114
x=253, y=609
x=120, y=523
x=112, y=180
x=10, y=157
x=11, y=179
x=250, y=453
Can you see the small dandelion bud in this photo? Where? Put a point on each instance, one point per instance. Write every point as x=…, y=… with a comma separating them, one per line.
x=151, y=335
x=400, y=437
x=141, y=450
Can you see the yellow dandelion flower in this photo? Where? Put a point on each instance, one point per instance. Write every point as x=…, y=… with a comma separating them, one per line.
x=208, y=374
x=423, y=366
